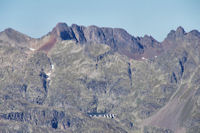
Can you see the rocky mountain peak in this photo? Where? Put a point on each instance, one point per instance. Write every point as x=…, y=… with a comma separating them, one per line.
x=180, y=32
x=171, y=35
x=9, y=30
x=174, y=34
x=61, y=26
x=194, y=33
x=148, y=41
x=12, y=33
x=63, y=31
x=11, y=37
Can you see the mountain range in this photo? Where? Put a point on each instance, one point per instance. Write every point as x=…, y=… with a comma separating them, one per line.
x=98, y=79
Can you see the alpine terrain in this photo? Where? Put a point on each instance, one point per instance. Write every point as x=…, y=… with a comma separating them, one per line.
x=79, y=79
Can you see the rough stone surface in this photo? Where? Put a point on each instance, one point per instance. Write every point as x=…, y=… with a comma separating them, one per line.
x=92, y=79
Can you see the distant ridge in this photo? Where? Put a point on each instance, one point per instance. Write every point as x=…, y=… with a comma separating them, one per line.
x=118, y=39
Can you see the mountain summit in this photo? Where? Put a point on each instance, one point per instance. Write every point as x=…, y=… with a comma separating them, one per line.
x=118, y=39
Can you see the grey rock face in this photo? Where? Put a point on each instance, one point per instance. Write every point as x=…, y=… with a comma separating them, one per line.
x=92, y=72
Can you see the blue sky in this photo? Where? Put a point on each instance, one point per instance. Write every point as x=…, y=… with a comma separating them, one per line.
x=139, y=17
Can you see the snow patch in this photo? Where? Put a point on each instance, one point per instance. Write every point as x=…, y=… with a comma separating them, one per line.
x=52, y=67
x=32, y=49
x=48, y=74
x=144, y=58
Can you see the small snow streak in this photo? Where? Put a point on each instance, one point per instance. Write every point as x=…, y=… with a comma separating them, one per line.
x=50, y=72
x=32, y=49
x=52, y=67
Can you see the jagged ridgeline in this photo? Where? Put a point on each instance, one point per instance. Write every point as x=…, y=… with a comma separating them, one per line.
x=97, y=79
